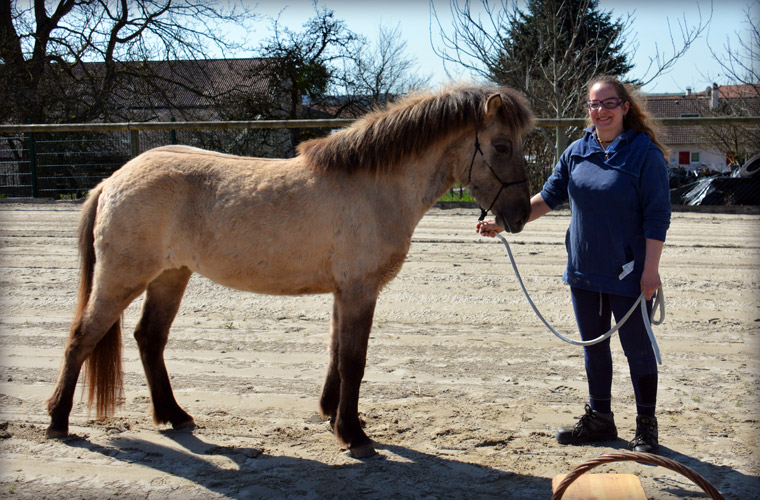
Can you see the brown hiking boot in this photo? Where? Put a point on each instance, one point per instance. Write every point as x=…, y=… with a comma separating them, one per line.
x=592, y=427
x=646, y=435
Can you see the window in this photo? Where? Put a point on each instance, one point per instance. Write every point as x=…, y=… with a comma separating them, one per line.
x=688, y=157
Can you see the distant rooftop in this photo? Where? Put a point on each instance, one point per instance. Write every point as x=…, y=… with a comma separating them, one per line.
x=708, y=102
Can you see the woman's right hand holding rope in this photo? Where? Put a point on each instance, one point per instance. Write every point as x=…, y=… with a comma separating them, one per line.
x=488, y=228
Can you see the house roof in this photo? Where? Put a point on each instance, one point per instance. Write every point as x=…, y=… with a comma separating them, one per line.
x=738, y=91
x=674, y=107
x=700, y=104
x=184, y=89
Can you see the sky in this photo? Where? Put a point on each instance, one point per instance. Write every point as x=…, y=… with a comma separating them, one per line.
x=649, y=30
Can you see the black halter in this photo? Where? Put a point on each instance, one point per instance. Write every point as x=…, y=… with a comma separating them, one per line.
x=483, y=213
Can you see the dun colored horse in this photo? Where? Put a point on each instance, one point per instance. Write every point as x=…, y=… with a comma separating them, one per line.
x=338, y=218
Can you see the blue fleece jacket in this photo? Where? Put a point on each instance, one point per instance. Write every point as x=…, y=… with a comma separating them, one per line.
x=618, y=199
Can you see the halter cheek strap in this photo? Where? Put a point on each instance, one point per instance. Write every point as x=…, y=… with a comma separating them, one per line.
x=484, y=212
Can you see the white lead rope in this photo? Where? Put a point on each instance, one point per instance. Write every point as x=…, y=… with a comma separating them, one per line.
x=659, y=304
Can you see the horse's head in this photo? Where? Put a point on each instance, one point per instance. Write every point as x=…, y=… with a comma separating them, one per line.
x=496, y=176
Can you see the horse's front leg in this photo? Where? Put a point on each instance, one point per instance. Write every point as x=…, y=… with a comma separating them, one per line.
x=354, y=321
x=328, y=403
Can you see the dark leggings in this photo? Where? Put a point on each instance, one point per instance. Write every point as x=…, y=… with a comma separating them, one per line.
x=593, y=312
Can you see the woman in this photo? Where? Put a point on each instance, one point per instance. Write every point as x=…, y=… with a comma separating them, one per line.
x=615, y=178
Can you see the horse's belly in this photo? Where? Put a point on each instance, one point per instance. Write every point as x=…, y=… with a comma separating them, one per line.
x=262, y=278
x=278, y=287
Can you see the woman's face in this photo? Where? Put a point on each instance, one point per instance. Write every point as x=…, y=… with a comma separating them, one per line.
x=608, y=122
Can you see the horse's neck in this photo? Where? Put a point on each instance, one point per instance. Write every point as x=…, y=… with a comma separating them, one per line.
x=424, y=180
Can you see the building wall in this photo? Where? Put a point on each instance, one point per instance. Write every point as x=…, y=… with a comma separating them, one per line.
x=684, y=156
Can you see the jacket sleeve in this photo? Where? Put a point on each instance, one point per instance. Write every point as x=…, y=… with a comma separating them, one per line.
x=554, y=191
x=655, y=195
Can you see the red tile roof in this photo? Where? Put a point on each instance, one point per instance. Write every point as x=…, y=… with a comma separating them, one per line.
x=698, y=104
x=738, y=91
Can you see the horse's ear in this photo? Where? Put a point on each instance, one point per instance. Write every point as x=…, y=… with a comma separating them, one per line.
x=493, y=106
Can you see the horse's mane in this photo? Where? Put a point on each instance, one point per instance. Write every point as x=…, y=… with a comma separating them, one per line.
x=384, y=137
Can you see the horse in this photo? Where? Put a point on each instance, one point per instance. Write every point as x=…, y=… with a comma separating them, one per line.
x=336, y=218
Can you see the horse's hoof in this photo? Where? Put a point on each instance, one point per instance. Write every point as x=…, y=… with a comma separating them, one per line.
x=186, y=425
x=51, y=433
x=362, y=451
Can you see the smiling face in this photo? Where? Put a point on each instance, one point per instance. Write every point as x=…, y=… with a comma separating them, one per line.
x=608, y=122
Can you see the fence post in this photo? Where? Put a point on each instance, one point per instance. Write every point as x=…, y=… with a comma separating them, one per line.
x=134, y=142
x=33, y=163
x=173, y=133
x=560, y=143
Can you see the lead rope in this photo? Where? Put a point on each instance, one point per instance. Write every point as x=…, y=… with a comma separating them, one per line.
x=659, y=304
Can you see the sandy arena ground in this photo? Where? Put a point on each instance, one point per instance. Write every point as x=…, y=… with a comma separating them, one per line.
x=462, y=393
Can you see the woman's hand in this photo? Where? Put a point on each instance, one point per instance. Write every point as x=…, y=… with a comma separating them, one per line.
x=650, y=276
x=650, y=283
x=488, y=228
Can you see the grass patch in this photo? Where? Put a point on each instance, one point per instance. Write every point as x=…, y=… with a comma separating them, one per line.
x=457, y=193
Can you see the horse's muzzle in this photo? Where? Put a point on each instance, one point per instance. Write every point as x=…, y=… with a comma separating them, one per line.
x=512, y=224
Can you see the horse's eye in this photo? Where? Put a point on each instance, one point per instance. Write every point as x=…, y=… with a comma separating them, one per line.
x=501, y=148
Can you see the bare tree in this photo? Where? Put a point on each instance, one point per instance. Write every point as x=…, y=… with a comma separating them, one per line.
x=740, y=95
x=377, y=74
x=335, y=71
x=665, y=57
x=303, y=65
x=740, y=58
x=43, y=46
x=554, y=40
x=548, y=52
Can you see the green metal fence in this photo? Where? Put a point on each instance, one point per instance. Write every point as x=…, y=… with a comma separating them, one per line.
x=66, y=160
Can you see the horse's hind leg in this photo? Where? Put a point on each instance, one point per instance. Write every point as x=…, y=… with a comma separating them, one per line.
x=162, y=300
x=355, y=312
x=96, y=331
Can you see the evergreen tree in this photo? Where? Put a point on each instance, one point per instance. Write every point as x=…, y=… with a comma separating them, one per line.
x=553, y=48
x=549, y=52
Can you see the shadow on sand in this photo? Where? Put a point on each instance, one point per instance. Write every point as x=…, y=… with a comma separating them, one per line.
x=411, y=474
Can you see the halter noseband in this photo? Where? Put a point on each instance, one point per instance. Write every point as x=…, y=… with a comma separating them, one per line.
x=483, y=213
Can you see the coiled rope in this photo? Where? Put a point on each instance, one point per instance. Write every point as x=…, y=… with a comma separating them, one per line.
x=659, y=305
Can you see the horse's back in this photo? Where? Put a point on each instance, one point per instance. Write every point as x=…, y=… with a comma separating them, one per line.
x=179, y=175
x=222, y=216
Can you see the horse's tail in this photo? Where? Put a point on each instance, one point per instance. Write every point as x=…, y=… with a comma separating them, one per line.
x=103, y=370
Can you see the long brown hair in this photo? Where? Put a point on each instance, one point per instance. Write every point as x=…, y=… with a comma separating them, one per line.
x=637, y=117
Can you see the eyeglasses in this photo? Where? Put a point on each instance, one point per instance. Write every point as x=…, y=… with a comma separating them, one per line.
x=609, y=103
